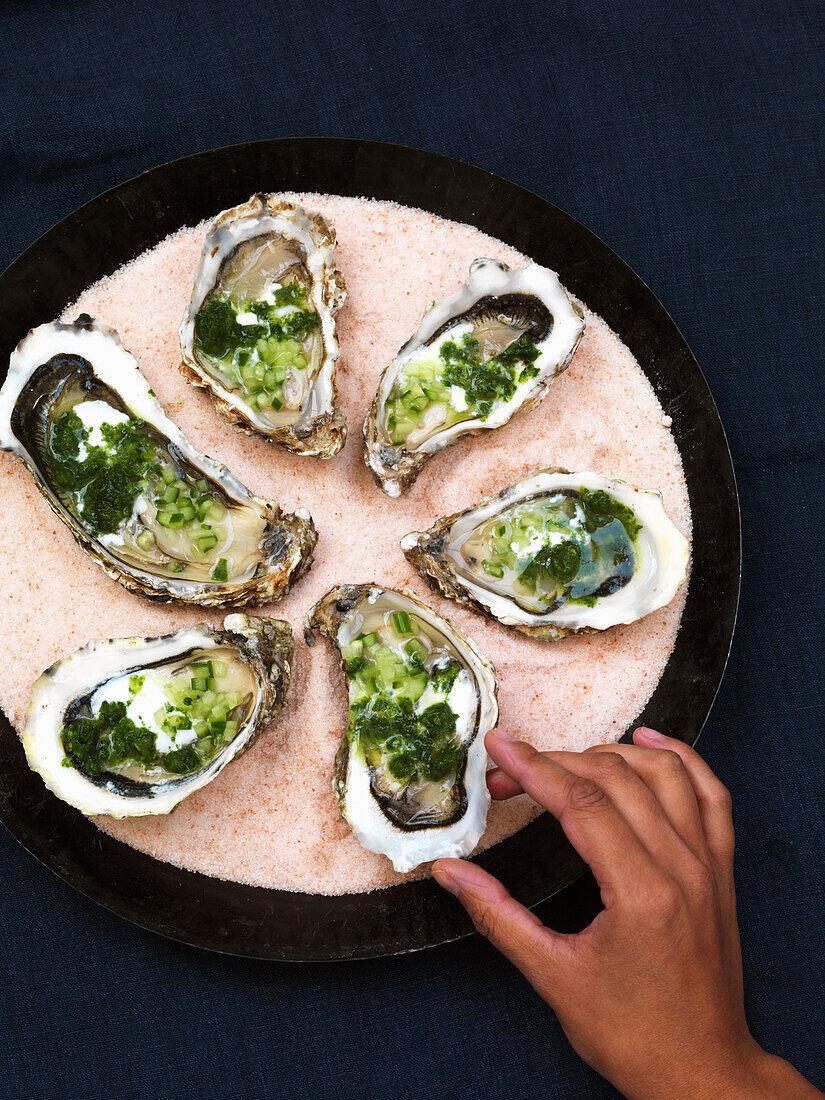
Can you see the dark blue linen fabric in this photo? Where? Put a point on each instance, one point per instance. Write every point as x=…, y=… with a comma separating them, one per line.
x=691, y=138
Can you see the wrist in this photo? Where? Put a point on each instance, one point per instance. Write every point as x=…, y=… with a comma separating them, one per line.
x=774, y=1079
x=756, y=1075
x=749, y=1073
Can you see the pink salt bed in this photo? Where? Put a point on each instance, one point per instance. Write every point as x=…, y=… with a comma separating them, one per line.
x=271, y=819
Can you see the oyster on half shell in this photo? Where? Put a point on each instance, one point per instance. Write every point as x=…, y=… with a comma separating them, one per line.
x=154, y=513
x=556, y=553
x=479, y=356
x=130, y=727
x=410, y=774
x=259, y=330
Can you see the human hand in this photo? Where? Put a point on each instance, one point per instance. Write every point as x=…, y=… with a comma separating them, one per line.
x=650, y=993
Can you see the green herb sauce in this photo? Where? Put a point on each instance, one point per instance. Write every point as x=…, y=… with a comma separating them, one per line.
x=485, y=383
x=385, y=723
x=554, y=553
x=256, y=359
x=104, y=484
x=112, y=740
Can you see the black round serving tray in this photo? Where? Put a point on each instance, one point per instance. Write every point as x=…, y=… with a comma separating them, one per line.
x=537, y=862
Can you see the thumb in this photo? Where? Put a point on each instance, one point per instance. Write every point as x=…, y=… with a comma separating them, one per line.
x=508, y=925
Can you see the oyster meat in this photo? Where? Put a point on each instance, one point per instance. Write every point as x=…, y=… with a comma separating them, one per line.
x=259, y=330
x=478, y=357
x=410, y=774
x=132, y=726
x=557, y=553
x=158, y=516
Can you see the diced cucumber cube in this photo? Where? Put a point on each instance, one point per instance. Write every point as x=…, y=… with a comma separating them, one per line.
x=402, y=623
x=493, y=568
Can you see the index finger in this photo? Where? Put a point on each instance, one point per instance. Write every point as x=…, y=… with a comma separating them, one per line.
x=592, y=823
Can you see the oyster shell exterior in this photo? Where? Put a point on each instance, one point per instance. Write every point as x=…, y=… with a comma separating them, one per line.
x=556, y=553
x=410, y=775
x=259, y=330
x=479, y=356
x=173, y=525
x=250, y=661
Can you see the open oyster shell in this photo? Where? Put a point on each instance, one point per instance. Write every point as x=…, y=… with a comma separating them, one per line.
x=154, y=513
x=556, y=553
x=440, y=388
x=259, y=330
x=246, y=666
x=410, y=774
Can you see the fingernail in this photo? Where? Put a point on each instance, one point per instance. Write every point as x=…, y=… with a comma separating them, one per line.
x=647, y=734
x=503, y=735
x=445, y=880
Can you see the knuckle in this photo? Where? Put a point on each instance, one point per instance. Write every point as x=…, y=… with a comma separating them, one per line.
x=610, y=765
x=670, y=764
x=585, y=796
x=486, y=921
x=665, y=901
x=723, y=799
x=700, y=882
x=524, y=757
